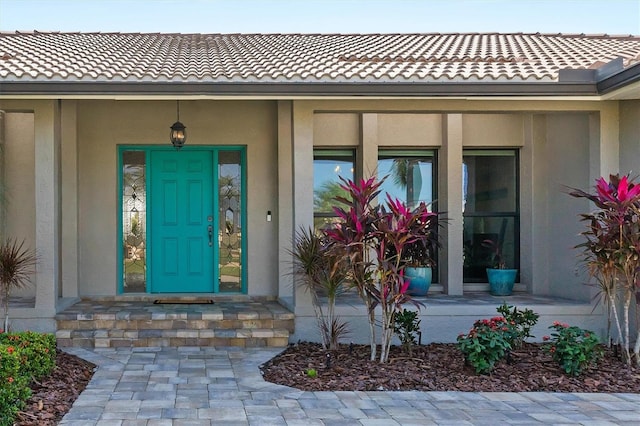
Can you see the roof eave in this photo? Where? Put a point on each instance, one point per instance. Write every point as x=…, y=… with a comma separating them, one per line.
x=619, y=80
x=321, y=89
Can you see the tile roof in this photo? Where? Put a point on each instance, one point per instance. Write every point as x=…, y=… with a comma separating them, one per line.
x=305, y=58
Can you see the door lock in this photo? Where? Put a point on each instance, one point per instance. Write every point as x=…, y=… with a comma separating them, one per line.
x=210, y=229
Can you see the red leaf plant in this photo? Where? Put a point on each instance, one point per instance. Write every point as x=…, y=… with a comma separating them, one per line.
x=611, y=250
x=373, y=238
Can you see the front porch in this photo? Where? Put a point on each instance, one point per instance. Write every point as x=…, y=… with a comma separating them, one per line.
x=135, y=321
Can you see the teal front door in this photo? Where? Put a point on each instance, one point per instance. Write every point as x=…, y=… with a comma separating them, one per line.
x=182, y=227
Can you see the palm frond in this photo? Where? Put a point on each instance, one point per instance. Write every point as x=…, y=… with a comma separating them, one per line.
x=17, y=263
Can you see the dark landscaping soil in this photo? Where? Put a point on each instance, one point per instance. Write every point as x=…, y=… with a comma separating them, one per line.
x=441, y=367
x=52, y=397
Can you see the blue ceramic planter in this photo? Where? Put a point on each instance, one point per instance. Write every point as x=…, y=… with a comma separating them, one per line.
x=501, y=281
x=419, y=280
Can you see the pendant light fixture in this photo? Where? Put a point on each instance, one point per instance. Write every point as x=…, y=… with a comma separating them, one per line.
x=178, y=133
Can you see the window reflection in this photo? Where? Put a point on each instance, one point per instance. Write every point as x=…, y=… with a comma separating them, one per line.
x=328, y=167
x=410, y=175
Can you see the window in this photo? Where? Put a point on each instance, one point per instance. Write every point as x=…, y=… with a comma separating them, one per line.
x=328, y=166
x=490, y=211
x=230, y=220
x=410, y=178
x=410, y=175
x=134, y=221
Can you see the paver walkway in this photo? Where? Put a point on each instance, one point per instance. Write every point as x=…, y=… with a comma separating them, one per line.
x=213, y=386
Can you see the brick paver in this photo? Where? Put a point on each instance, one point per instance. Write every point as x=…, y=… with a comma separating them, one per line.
x=223, y=386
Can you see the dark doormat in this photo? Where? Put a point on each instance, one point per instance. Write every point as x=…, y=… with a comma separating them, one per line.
x=183, y=302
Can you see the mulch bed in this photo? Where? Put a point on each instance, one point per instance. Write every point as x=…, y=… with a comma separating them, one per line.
x=52, y=397
x=441, y=367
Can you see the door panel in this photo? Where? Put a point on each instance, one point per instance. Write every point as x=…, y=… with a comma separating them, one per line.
x=181, y=207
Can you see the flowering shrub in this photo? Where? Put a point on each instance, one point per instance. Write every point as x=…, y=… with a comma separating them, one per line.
x=37, y=352
x=573, y=348
x=522, y=319
x=487, y=343
x=14, y=389
x=24, y=356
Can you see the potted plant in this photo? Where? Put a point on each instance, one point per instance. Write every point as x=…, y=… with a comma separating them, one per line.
x=418, y=255
x=501, y=279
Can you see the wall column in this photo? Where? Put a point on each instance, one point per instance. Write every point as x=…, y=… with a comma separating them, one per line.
x=534, y=252
x=450, y=202
x=604, y=146
x=302, y=181
x=369, y=144
x=2, y=177
x=47, y=184
x=69, y=199
x=284, y=215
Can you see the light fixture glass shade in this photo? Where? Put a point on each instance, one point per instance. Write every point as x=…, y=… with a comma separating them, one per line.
x=178, y=134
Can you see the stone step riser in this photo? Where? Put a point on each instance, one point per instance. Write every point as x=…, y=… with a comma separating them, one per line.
x=150, y=333
x=137, y=323
x=270, y=333
x=173, y=338
x=273, y=342
x=175, y=324
x=174, y=332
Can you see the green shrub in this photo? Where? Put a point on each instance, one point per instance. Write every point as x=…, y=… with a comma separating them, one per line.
x=14, y=386
x=36, y=351
x=24, y=356
x=573, y=348
x=407, y=326
x=487, y=343
x=524, y=320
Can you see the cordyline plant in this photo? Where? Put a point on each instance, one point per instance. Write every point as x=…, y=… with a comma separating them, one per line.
x=611, y=251
x=372, y=238
x=16, y=265
x=354, y=236
x=321, y=272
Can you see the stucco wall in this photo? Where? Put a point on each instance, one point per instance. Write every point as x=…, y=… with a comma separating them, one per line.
x=630, y=137
x=19, y=167
x=563, y=162
x=409, y=130
x=336, y=129
x=489, y=130
x=102, y=125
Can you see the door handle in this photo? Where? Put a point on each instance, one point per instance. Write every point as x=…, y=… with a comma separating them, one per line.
x=210, y=229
